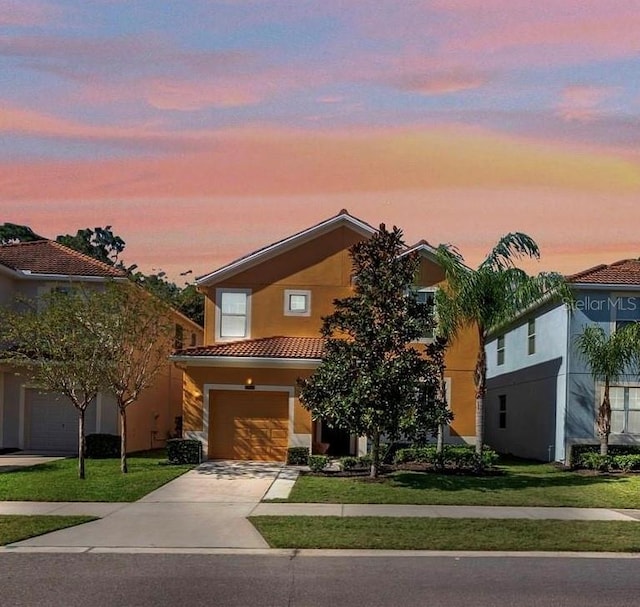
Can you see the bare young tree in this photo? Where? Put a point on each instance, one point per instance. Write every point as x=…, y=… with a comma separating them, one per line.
x=51, y=340
x=137, y=334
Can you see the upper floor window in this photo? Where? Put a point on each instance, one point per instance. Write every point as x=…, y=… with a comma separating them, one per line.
x=531, y=336
x=178, y=341
x=194, y=339
x=234, y=313
x=500, y=350
x=427, y=296
x=297, y=302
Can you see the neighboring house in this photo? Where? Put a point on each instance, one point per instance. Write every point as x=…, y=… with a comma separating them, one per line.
x=541, y=397
x=31, y=418
x=263, y=314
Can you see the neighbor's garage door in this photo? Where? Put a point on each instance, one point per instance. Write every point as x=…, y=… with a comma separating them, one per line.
x=53, y=421
x=248, y=425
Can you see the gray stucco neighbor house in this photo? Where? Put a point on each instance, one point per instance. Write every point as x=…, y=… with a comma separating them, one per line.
x=541, y=397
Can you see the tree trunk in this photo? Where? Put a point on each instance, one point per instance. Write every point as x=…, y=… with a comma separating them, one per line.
x=375, y=455
x=123, y=440
x=604, y=420
x=81, y=445
x=440, y=439
x=480, y=380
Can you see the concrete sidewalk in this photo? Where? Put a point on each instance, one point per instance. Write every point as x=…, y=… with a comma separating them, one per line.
x=242, y=501
x=401, y=510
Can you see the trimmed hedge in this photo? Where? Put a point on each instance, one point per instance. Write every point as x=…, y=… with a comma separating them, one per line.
x=102, y=446
x=354, y=463
x=577, y=451
x=452, y=457
x=184, y=451
x=607, y=463
x=298, y=456
x=318, y=463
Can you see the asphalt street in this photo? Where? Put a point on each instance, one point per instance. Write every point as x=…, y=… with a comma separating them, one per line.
x=137, y=580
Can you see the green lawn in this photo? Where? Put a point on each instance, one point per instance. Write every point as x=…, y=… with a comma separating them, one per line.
x=523, y=484
x=58, y=481
x=447, y=534
x=15, y=528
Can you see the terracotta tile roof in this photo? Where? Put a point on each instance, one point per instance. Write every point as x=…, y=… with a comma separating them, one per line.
x=623, y=272
x=265, y=347
x=49, y=257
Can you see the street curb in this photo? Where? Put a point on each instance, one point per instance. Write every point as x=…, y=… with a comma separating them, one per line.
x=293, y=553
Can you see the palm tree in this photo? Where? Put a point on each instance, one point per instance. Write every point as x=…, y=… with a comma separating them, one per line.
x=608, y=357
x=489, y=297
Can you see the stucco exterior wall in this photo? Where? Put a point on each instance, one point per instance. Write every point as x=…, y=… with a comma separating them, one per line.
x=321, y=266
x=535, y=387
x=601, y=308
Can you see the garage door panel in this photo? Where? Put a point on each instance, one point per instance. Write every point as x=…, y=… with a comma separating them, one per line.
x=248, y=425
x=52, y=421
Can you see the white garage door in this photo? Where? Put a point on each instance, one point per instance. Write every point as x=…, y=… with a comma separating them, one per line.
x=53, y=421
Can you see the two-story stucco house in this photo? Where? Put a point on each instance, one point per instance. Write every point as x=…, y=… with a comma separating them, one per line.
x=542, y=398
x=34, y=419
x=262, y=332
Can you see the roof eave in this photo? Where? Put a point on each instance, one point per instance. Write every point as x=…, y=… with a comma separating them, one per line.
x=246, y=361
x=28, y=275
x=605, y=286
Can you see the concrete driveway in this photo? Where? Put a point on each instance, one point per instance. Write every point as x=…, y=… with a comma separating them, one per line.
x=204, y=508
x=24, y=459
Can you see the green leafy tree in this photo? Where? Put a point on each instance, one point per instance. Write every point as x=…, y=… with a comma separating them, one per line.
x=11, y=233
x=100, y=243
x=608, y=357
x=488, y=297
x=137, y=331
x=53, y=340
x=370, y=380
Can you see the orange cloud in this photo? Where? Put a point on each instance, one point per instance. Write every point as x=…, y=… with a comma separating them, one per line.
x=441, y=83
x=256, y=162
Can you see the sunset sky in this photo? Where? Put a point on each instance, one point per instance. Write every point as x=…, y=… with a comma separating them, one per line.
x=202, y=130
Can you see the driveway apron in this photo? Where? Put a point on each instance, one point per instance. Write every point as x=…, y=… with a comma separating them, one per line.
x=204, y=508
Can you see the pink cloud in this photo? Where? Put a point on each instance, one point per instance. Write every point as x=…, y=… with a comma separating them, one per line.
x=280, y=162
x=442, y=83
x=26, y=13
x=187, y=96
x=583, y=103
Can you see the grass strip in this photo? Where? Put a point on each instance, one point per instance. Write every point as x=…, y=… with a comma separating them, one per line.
x=448, y=534
x=521, y=484
x=14, y=528
x=58, y=481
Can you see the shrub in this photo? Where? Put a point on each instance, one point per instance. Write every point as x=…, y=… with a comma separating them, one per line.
x=318, y=463
x=595, y=461
x=577, y=451
x=184, y=451
x=364, y=461
x=627, y=462
x=348, y=463
x=461, y=457
x=298, y=456
x=102, y=446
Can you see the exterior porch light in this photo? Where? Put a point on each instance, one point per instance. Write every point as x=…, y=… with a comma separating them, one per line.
x=249, y=384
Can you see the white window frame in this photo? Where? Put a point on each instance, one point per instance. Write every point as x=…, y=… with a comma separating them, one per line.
x=626, y=386
x=429, y=339
x=219, y=293
x=287, y=300
x=531, y=336
x=501, y=350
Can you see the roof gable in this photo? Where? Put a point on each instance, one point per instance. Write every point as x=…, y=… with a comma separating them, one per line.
x=342, y=219
x=40, y=258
